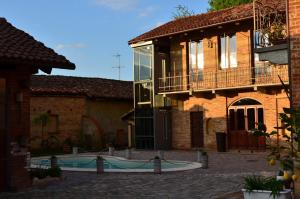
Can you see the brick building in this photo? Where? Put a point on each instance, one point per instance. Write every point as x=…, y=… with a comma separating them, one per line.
x=20, y=57
x=208, y=73
x=294, y=35
x=83, y=108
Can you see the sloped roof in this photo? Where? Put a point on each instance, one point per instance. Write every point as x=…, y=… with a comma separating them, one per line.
x=16, y=46
x=90, y=87
x=213, y=18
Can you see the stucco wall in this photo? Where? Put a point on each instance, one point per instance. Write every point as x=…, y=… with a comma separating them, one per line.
x=106, y=116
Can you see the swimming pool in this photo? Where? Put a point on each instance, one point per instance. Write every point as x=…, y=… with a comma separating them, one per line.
x=112, y=164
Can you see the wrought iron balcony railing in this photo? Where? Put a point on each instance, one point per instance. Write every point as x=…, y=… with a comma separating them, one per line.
x=225, y=79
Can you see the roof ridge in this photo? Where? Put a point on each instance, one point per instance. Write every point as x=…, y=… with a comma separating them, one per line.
x=81, y=77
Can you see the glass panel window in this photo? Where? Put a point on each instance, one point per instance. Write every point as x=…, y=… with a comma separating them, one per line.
x=136, y=64
x=251, y=118
x=232, y=119
x=240, y=119
x=196, y=58
x=224, y=60
x=143, y=92
x=232, y=58
x=200, y=56
x=260, y=118
x=193, y=51
x=228, y=52
x=143, y=63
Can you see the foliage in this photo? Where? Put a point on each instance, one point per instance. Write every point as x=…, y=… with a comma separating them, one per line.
x=42, y=173
x=69, y=142
x=285, y=150
x=38, y=173
x=46, y=152
x=221, y=4
x=50, y=141
x=261, y=183
x=42, y=119
x=182, y=11
x=54, y=172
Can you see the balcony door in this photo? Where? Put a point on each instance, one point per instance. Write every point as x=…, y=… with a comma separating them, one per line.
x=245, y=115
x=2, y=134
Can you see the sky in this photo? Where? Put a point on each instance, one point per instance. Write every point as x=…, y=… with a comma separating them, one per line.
x=90, y=32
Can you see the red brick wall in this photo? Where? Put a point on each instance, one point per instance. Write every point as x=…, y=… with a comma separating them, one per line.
x=214, y=108
x=18, y=96
x=294, y=32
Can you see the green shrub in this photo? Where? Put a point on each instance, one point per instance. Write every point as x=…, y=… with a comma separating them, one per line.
x=54, y=172
x=261, y=183
x=38, y=173
x=42, y=173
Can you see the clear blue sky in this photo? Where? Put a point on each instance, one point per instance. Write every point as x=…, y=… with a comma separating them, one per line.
x=90, y=32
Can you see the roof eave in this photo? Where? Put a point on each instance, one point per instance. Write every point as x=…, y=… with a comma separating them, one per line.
x=188, y=30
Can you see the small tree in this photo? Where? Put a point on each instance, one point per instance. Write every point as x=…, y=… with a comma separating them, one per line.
x=43, y=119
x=50, y=141
x=182, y=11
x=221, y=4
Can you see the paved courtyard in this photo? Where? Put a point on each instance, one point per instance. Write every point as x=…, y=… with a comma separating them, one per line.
x=224, y=176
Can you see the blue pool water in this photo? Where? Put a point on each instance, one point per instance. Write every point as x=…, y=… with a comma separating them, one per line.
x=111, y=163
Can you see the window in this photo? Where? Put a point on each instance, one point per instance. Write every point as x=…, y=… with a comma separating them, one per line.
x=228, y=51
x=143, y=93
x=196, y=60
x=143, y=63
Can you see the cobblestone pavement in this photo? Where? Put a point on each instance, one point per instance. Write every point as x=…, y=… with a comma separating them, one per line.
x=224, y=176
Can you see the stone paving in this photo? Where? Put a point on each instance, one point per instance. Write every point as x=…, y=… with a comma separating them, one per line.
x=224, y=176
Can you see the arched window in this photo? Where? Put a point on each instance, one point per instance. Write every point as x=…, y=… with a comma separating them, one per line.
x=245, y=114
x=246, y=101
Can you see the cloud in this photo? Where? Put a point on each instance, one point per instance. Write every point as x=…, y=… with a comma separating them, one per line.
x=147, y=11
x=76, y=45
x=117, y=4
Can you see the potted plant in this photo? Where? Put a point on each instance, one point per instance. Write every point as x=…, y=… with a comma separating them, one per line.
x=202, y=157
x=258, y=187
x=128, y=153
x=280, y=175
x=111, y=149
x=277, y=33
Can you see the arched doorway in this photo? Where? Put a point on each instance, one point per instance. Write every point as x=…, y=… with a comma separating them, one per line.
x=244, y=115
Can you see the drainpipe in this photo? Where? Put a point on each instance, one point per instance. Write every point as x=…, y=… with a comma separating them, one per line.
x=289, y=62
x=227, y=121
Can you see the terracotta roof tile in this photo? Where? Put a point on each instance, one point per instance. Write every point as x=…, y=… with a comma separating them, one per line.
x=16, y=46
x=90, y=87
x=199, y=21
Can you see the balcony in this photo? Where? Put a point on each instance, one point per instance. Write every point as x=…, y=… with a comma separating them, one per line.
x=224, y=79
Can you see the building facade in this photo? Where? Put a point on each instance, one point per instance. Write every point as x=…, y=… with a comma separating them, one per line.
x=200, y=75
x=20, y=57
x=86, y=110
